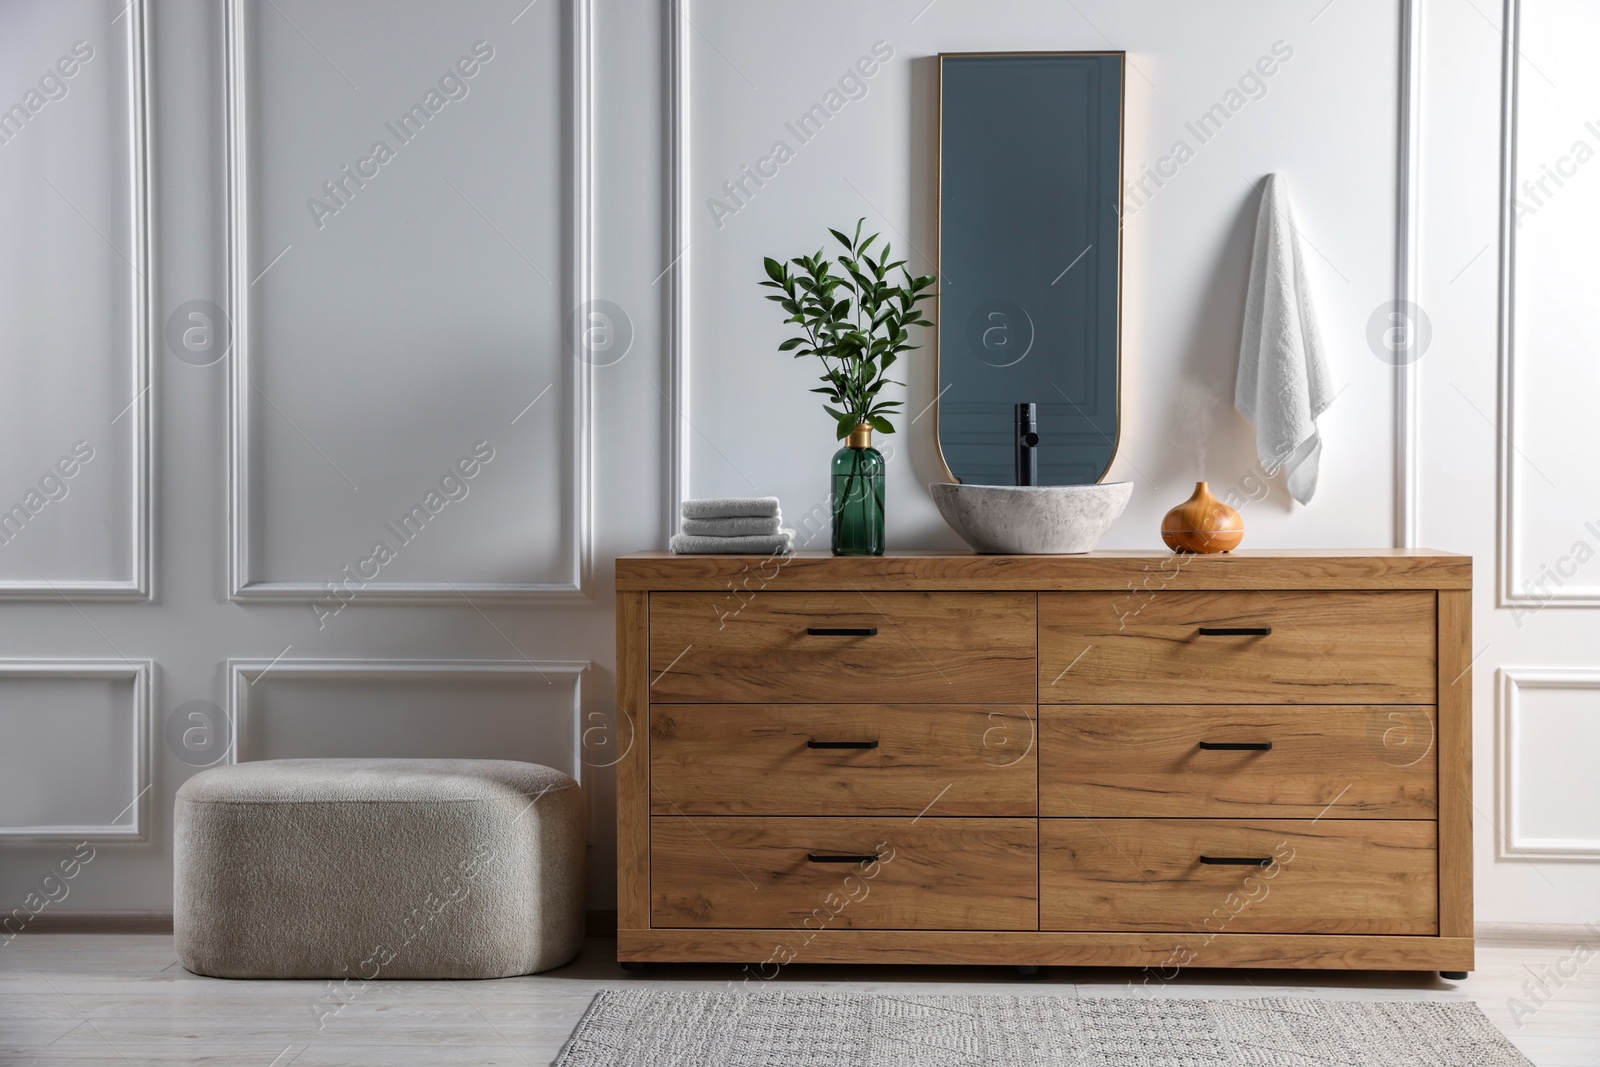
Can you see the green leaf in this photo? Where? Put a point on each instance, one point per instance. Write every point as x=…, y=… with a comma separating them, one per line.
x=881, y=424
x=854, y=319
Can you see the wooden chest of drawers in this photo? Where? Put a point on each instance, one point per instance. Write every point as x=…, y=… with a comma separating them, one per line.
x=1259, y=759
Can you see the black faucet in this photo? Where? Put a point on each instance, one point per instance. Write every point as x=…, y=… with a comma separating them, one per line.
x=1027, y=444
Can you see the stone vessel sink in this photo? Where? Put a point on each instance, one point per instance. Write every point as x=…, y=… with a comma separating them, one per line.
x=1031, y=520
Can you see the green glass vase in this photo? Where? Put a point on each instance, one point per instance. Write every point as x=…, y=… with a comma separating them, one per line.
x=858, y=496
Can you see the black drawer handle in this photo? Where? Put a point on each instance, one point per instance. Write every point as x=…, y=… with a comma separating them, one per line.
x=841, y=744
x=1235, y=631
x=1236, y=861
x=1236, y=746
x=842, y=631
x=814, y=858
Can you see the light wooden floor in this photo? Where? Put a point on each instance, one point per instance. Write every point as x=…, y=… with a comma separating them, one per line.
x=123, y=999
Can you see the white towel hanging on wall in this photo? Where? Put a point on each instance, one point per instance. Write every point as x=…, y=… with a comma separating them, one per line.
x=1283, y=385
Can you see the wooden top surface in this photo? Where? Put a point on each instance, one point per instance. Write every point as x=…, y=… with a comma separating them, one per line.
x=1334, y=568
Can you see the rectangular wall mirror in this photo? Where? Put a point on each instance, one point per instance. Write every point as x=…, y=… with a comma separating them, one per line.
x=1030, y=262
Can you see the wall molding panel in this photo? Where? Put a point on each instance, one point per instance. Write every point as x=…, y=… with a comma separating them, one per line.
x=1511, y=843
x=139, y=411
x=1511, y=519
x=1505, y=483
x=1408, y=217
x=242, y=265
x=246, y=673
x=141, y=673
x=679, y=204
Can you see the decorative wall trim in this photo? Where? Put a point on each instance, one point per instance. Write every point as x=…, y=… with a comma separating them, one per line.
x=141, y=319
x=140, y=672
x=580, y=238
x=1407, y=220
x=243, y=674
x=678, y=253
x=581, y=528
x=1509, y=843
x=1406, y=242
x=1510, y=514
x=1511, y=32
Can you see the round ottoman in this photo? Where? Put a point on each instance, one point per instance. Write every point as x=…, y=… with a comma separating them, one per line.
x=378, y=868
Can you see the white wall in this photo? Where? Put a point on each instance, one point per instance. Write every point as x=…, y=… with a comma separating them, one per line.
x=1326, y=118
x=382, y=346
x=415, y=322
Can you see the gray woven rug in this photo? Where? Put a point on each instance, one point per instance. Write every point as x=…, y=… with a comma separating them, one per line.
x=653, y=1028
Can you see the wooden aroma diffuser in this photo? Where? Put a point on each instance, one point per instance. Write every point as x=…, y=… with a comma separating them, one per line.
x=1202, y=524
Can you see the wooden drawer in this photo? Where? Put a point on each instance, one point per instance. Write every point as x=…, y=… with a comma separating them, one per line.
x=774, y=647
x=788, y=759
x=1126, y=760
x=1327, y=877
x=1333, y=647
x=933, y=874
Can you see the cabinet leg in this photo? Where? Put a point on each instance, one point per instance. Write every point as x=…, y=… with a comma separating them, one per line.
x=633, y=966
x=1028, y=971
x=1454, y=976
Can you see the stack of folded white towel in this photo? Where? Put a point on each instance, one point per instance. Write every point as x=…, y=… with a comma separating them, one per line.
x=733, y=525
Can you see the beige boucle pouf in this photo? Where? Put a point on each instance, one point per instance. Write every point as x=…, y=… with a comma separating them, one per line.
x=378, y=868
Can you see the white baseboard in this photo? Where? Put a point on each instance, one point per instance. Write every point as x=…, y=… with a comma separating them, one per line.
x=1537, y=933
